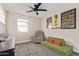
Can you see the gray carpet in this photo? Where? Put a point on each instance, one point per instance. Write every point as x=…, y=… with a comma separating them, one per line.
x=31, y=49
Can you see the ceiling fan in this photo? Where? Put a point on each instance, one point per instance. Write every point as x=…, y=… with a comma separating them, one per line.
x=36, y=8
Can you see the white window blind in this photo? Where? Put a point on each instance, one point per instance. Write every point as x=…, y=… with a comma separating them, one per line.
x=22, y=25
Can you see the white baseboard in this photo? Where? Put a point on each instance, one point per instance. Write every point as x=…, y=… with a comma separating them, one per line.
x=23, y=41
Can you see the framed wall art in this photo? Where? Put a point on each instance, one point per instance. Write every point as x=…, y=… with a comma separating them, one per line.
x=68, y=19
x=56, y=21
x=49, y=22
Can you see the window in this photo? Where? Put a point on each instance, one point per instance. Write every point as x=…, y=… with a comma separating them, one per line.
x=22, y=25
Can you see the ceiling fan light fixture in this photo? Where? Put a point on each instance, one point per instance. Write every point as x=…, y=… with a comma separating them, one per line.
x=36, y=13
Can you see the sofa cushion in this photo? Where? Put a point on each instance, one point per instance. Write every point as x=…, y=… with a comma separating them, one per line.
x=56, y=42
x=65, y=49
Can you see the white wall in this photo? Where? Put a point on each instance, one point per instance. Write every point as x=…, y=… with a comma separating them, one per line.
x=70, y=35
x=2, y=20
x=34, y=25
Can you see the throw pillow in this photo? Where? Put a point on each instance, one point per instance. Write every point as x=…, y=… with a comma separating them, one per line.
x=50, y=40
x=58, y=43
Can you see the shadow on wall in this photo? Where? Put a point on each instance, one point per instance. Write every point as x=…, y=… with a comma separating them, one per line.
x=2, y=27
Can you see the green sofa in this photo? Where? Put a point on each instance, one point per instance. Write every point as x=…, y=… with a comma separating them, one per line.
x=64, y=50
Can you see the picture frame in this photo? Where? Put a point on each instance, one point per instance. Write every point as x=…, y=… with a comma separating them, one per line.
x=56, y=21
x=68, y=19
x=49, y=22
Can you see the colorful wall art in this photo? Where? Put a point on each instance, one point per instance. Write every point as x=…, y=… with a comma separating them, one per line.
x=49, y=22
x=56, y=21
x=68, y=19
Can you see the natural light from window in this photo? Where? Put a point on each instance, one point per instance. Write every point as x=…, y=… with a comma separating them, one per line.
x=22, y=25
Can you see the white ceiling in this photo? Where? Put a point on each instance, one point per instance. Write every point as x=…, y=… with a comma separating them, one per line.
x=21, y=8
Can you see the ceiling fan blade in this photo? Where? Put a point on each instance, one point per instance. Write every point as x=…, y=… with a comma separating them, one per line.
x=41, y=10
x=37, y=6
x=30, y=7
x=30, y=11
